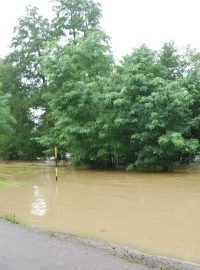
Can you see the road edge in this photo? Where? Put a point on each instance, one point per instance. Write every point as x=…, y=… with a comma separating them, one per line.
x=126, y=253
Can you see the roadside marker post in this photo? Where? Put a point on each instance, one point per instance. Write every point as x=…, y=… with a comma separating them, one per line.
x=56, y=160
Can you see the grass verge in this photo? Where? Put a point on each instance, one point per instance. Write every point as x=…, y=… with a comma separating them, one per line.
x=11, y=218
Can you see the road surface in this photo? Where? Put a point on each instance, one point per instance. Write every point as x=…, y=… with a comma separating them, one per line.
x=24, y=249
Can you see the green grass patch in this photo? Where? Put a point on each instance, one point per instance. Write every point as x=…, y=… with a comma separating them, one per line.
x=11, y=219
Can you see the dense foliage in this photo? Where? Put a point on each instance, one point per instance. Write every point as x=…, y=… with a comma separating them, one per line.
x=6, y=123
x=143, y=112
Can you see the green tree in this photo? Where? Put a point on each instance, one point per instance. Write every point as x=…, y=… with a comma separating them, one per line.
x=192, y=83
x=73, y=18
x=164, y=123
x=170, y=63
x=132, y=79
x=153, y=108
x=28, y=44
x=76, y=75
x=22, y=79
x=6, y=123
x=20, y=145
x=6, y=120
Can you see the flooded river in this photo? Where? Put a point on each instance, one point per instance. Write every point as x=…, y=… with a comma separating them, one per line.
x=155, y=213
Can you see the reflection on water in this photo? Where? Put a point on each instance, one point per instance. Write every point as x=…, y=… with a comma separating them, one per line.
x=155, y=213
x=39, y=207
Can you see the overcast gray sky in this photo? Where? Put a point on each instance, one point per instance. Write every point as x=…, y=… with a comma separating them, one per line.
x=128, y=22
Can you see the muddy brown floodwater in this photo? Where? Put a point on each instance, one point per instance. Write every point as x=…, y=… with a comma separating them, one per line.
x=154, y=213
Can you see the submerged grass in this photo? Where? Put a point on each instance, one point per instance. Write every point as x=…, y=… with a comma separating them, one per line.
x=4, y=183
x=9, y=169
x=2, y=179
x=19, y=168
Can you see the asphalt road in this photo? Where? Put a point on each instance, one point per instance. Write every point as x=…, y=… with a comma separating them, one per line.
x=24, y=249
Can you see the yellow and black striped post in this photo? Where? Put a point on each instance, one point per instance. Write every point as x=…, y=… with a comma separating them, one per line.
x=56, y=160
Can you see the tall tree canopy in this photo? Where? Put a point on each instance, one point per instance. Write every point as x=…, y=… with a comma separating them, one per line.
x=73, y=18
x=75, y=73
x=143, y=112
